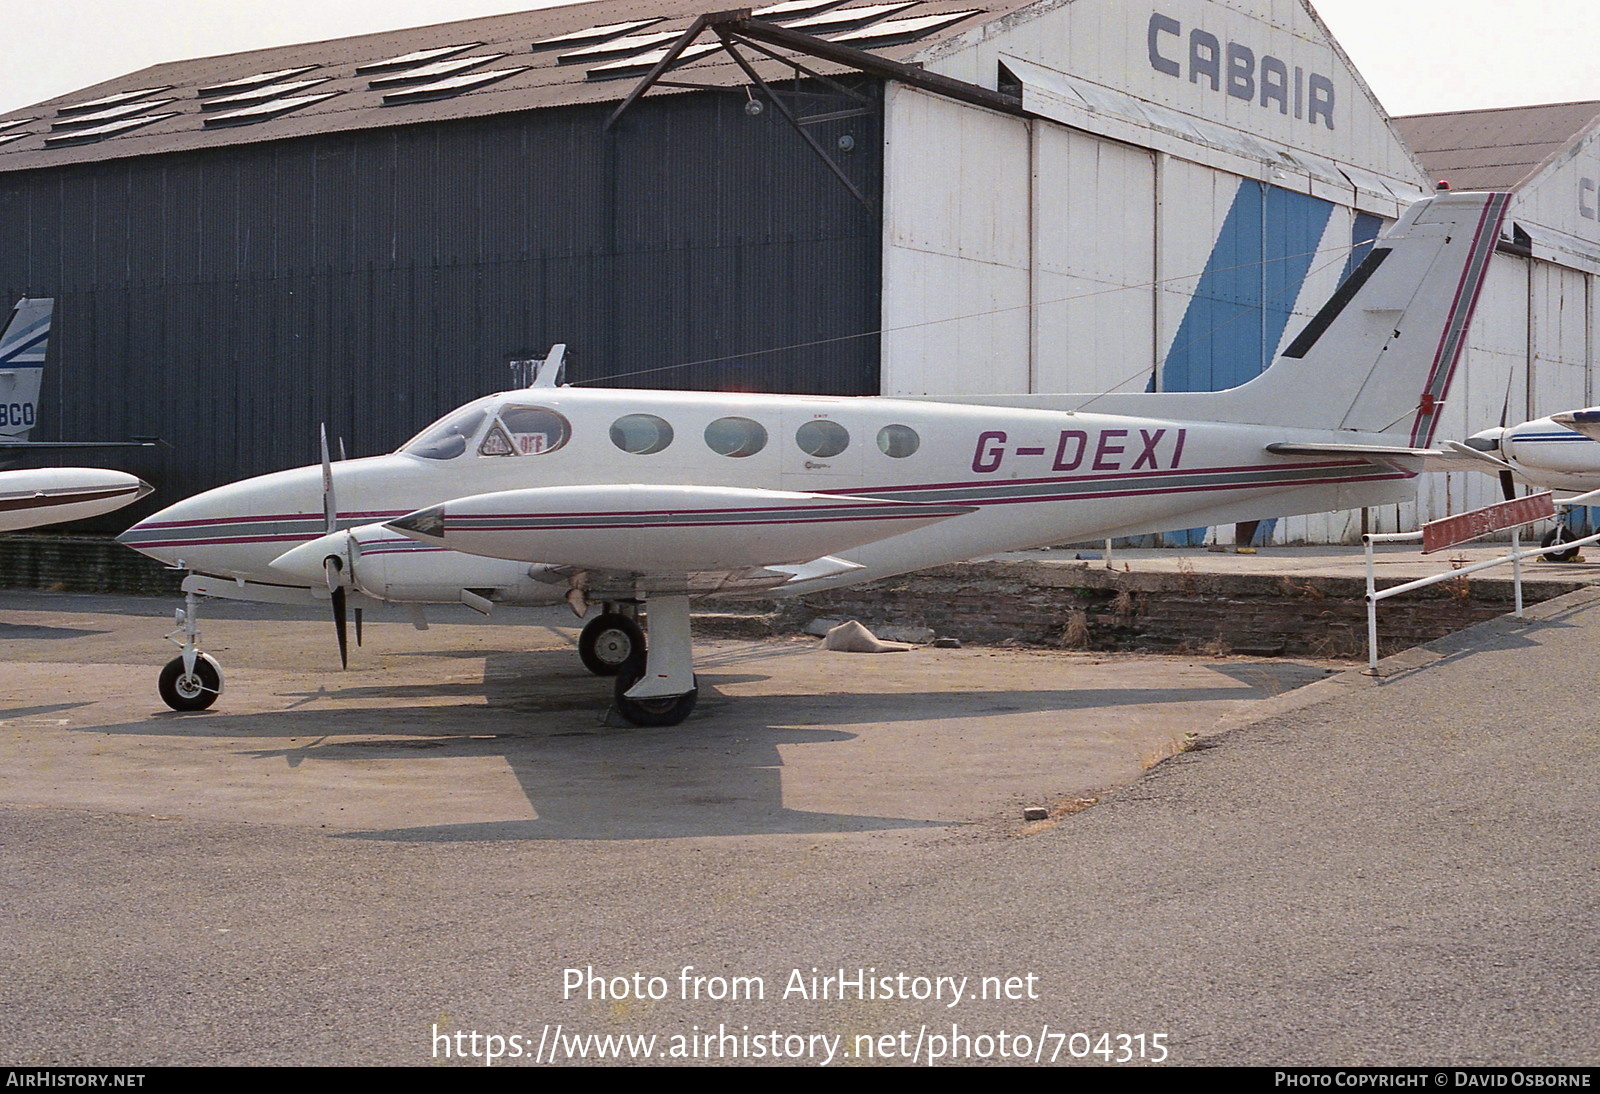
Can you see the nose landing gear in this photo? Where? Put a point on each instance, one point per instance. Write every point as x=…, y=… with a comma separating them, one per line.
x=192, y=680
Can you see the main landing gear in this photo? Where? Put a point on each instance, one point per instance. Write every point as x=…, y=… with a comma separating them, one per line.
x=655, y=683
x=192, y=680
x=609, y=641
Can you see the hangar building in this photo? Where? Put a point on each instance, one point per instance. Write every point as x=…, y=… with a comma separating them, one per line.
x=843, y=196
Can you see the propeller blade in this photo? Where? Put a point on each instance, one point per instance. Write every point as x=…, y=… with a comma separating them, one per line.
x=1508, y=485
x=358, y=626
x=330, y=507
x=340, y=628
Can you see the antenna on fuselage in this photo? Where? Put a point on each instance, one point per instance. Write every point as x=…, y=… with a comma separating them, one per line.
x=548, y=372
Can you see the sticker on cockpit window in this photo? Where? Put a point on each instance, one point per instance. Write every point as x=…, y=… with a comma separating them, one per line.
x=496, y=443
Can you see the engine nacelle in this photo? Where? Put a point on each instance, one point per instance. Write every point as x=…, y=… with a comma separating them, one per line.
x=391, y=567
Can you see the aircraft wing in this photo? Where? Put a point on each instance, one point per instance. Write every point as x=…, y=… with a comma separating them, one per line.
x=707, y=538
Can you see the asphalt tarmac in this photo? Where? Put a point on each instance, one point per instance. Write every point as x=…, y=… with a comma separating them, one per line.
x=445, y=854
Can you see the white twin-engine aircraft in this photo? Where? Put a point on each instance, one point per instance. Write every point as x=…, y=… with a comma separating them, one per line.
x=49, y=495
x=640, y=500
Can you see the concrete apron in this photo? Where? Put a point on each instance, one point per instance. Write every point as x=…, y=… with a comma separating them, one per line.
x=477, y=730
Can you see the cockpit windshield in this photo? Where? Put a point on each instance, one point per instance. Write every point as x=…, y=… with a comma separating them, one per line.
x=447, y=438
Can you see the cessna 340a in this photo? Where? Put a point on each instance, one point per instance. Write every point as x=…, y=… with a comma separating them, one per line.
x=644, y=499
x=50, y=495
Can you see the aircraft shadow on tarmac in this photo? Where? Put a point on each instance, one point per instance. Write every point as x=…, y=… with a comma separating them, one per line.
x=719, y=773
x=34, y=632
x=15, y=713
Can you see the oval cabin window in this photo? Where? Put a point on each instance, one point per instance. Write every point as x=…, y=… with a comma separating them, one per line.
x=737, y=437
x=822, y=438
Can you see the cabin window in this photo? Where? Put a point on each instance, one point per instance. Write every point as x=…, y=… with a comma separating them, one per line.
x=447, y=438
x=737, y=437
x=898, y=441
x=641, y=434
x=525, y=431
x=822, y=438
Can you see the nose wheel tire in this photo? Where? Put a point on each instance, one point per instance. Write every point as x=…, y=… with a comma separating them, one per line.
x=190, y=691
x=608, y=641
x=666, y=711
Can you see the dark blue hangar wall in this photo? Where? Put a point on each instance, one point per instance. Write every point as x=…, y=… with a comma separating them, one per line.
x=230, y=300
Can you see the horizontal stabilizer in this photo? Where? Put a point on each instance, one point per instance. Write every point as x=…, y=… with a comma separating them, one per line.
x=1376, y=452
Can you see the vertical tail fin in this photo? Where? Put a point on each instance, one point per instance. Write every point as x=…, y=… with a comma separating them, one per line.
x=22, y=352
x=1379, y=356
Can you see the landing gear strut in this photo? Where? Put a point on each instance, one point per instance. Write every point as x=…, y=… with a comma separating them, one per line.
x=192, y=680
x=658, y=687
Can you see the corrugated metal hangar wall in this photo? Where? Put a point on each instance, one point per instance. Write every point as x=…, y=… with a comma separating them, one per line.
x=1183, y=185
x=230, y=300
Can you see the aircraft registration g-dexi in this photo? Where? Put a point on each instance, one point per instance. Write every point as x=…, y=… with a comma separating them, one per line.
x=30, y=498
x=640, y=500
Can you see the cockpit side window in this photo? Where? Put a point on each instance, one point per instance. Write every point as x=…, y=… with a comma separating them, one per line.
x=447, y=438
x=525, y=431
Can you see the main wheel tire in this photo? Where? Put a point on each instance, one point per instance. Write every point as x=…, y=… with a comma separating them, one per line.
x=608, y=641
x=1556, y=536
x=667, y=711
x=185, y=691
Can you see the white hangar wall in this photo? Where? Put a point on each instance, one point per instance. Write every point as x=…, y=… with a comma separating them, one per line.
x=1535, y=333
x=1192, y=180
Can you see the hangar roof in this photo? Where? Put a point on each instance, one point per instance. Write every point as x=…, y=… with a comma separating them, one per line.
x=579, y=53
x=1496, y=149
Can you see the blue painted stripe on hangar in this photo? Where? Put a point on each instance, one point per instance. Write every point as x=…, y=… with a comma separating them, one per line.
x=1245, y=298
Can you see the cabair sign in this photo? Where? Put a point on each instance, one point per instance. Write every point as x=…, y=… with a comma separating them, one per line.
x=1235, y=69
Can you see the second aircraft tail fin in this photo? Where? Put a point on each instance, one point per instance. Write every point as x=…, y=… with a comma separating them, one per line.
x=22, y=353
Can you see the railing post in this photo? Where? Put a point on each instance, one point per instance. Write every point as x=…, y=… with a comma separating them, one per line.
x=1516, y=567
x=1372, y=611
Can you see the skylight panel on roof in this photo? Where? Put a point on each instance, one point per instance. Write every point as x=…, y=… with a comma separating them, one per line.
x=618, y=47
x=848, y=17
x=433, y=71
x=14, y=122
x=271, y=108
x=7, y=138
x=904, y=29
x=630, y=65
x=261, y=94
x=110, y=129
x=793, y=9
x=110, y=100
x=410, y=60
x=455, y=85
x=247, y=83
x=78, y=121
x=599, y=34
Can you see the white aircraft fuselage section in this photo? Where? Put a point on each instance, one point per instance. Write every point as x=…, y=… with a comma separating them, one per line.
x=1549, y=454
x=1031, y=477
